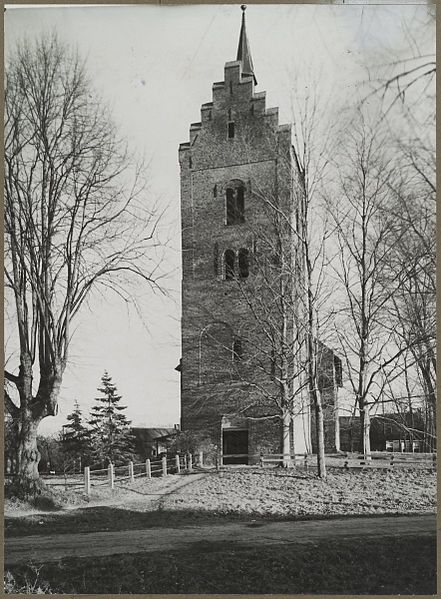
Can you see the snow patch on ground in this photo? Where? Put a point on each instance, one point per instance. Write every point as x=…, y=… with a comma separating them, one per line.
x=268, y=492
x=278, y=492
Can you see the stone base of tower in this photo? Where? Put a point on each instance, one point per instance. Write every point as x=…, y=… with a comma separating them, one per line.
x=234, y=439
x=231, y=425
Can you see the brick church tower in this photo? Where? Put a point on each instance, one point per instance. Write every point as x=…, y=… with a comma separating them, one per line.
x=241, y=196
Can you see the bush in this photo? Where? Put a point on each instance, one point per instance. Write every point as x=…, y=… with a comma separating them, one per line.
x=191, y=442
x=46, y=503
x=27, y=586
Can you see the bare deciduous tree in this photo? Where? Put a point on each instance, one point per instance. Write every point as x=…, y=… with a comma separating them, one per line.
x=406, y=74
x=313, y=142
x=364, y=231
x=76, y=218
x=410, y=268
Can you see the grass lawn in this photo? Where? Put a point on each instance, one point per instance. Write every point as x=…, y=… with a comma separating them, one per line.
x=386, y=566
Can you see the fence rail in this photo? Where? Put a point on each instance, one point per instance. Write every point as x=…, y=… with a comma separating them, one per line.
x=374, y=460
x=184, y=463
x=108, y=476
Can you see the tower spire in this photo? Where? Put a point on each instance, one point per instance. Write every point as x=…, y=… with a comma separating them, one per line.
x=243, y=49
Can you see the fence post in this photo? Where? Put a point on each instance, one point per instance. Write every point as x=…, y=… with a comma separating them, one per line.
x=434, y=461
x=178, y=465
x=131, y=472
x=185, y=461
x=148, y=468
x=87, y=480
x=164, y=466
x=111, y=472
x=201, y=459
x=306, y=462
x=190, y=462
x=261, y=460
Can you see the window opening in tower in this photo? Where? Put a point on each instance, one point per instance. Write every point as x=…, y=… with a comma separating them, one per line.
x=230, y=259
x=244, y=263
x=235, y=206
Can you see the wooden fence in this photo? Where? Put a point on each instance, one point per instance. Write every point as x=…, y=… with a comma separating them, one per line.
x=376, y=460
x=184, y=463
x=128, y=472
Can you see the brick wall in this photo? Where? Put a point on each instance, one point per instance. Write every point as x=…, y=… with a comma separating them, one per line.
x=218, y=313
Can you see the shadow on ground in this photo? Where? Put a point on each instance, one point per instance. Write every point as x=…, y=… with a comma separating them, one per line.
x=108, y=518
x=369, y=566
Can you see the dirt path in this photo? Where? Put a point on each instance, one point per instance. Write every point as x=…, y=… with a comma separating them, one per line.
x=142, y=499
x=127, y=494
x=52, y=548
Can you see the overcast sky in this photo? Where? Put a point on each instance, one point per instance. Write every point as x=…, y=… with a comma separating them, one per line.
x=154, y=66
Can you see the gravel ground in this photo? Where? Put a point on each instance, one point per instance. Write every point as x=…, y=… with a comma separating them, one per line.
x=279, y=492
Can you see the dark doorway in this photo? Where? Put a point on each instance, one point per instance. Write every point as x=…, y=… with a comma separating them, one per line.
x=235, y=447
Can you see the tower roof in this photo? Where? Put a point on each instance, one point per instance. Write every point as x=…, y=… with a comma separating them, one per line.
x=243, y=49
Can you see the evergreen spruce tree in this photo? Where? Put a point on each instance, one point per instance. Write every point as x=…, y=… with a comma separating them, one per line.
x=75, y=440
x=112, y=439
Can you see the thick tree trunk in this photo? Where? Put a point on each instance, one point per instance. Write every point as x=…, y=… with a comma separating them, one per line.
x=28, y=454
x=26, y=481
x=31, y=412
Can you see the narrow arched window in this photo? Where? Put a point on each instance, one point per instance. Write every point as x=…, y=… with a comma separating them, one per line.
x=235, y=198
x=230, y=130
x=229, y=259
x=231, y=202
x=240, y=204
x=244, y=263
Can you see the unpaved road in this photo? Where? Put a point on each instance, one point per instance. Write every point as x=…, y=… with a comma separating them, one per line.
x=39, y=548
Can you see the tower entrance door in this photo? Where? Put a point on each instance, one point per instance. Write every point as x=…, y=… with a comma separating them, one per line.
x=234, y=446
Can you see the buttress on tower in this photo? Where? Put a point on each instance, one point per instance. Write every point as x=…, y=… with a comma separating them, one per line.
x=242, y=385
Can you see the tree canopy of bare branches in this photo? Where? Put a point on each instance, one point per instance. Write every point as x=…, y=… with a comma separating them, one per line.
x=406, y=75
x=76, y=217
x=410, y=269
x=364, y=230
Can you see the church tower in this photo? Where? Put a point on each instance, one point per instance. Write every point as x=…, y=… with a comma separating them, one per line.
x=242, y=272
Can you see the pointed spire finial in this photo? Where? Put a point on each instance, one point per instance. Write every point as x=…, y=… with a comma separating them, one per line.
x=243, y=50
